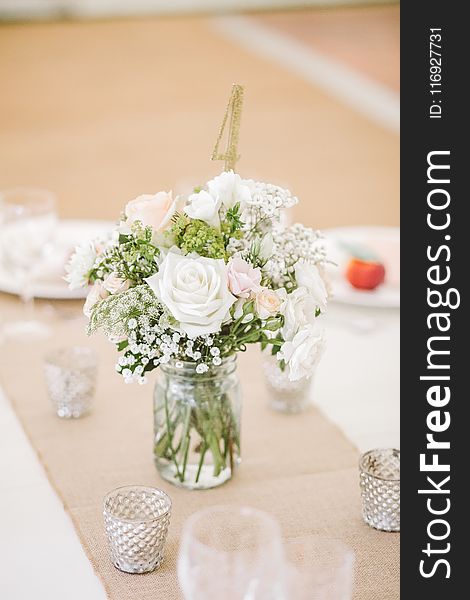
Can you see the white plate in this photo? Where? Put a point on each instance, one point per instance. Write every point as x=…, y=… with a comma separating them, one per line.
x=385, y=242
x=49, y=282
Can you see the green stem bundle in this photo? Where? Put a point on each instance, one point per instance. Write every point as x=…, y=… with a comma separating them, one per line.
x=197, y=429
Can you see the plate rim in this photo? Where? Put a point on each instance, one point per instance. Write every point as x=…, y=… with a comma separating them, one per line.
x=55, y=291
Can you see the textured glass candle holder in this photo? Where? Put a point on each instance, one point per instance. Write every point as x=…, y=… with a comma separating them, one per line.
x=136, y=520
x=71, y=377
x=380, y=488
x=284, y=395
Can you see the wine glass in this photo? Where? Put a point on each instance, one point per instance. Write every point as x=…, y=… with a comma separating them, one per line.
x=321, y=569
x=232, y=553
x=27, y=224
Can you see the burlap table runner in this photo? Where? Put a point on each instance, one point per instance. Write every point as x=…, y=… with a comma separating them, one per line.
x=301, y=469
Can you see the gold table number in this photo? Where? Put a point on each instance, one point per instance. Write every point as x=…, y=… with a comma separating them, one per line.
x=233, y=114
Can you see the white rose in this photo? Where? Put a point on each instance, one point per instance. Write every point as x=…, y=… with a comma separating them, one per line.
x=205, y=207
x=303, y=352
x=298, y=310
x=326, y=279
x=114, y=284
x=195, y=291
x=96, y=293
x=308, y=276
x=154, y=210
x=229, y=188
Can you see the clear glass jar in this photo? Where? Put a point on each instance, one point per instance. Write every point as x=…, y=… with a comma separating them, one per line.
x=197, y=423
x=284, y=395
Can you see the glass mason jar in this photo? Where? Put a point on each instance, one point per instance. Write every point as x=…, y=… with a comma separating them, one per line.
x=284, y=395
x=197, y=423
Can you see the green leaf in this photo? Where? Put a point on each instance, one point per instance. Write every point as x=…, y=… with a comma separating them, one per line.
x=273, y=324
x=248, y=307
x=274, y=342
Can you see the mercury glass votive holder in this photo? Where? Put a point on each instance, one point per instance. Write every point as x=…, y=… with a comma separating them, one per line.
x=136, y=520
x=285, y=396
x=380, y=488
x=71, y=377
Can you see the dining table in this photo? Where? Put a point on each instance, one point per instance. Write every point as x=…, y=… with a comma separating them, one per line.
x=301, y=468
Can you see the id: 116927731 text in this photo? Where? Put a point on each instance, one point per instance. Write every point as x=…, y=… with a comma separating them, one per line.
x=435, y=72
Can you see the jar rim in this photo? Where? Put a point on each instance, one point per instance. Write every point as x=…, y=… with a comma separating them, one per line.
x=186, y=367
x=365, y=467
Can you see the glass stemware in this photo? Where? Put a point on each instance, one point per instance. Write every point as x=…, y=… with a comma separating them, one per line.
x=232, y=553
x=27, y=224
x=320, y=569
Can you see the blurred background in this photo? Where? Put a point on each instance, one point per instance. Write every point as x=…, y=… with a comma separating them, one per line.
x=103, y=100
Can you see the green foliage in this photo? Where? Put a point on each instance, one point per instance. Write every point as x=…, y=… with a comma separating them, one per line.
x=249, y=329
x=193, y=235
x=134, y=258
x=232, y=223
x=254, y=255
x=122, y=345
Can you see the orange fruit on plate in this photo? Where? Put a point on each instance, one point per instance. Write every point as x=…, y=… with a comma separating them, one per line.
x=365, y=274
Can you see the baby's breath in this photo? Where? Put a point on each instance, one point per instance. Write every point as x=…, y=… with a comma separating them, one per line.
x=290, y=245
x=264, y=209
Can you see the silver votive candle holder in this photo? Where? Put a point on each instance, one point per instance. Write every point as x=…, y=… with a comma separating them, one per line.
x=136, y=520
x=71, y=379
x=380, y=488
x=286, y=396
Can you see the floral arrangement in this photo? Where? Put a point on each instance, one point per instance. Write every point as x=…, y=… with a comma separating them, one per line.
x=198, y=278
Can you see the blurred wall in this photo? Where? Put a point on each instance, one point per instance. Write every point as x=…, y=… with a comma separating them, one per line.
x=30, y=9
x=103, y=111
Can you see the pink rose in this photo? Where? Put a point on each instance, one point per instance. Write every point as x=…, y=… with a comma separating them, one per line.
x=243, y=278
x=268, y=302
x=96, y=293
x=151, y=210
